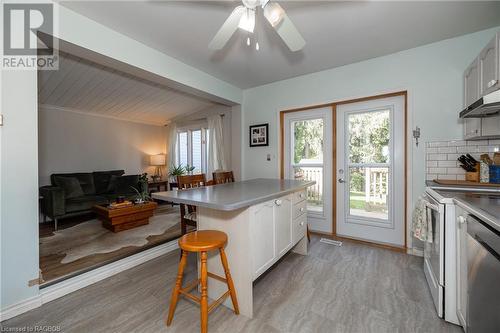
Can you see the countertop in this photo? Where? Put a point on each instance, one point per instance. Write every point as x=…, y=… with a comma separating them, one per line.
x=232, y=196
x=437, y=186
x=486, y=206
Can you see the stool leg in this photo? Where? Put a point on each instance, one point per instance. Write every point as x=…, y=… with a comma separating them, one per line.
x=229, y=279
x=178, y=286
x=204, y=294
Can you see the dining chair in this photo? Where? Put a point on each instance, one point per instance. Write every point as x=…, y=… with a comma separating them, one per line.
x=188, y=212
x=223, y=177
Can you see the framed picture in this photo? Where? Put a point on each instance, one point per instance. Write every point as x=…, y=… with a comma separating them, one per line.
x=259, y=135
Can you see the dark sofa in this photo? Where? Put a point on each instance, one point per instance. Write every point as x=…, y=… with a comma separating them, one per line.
x=72, y=194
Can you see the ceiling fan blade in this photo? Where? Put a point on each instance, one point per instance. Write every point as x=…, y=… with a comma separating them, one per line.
x=227, y=29
x=277, y=17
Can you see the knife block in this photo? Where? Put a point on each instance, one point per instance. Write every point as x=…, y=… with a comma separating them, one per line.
x=472, y=176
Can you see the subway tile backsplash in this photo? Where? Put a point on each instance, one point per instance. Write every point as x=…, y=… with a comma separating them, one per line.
x=441, y=156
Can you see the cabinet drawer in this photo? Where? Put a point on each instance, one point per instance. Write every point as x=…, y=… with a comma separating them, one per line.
x=299, y=228
x=299, y=196
x=299, y=209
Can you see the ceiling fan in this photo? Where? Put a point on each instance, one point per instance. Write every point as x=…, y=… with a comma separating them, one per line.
x=243, y=17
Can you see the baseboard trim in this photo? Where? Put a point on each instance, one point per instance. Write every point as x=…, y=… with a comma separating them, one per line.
x=20, y=308
x=70, y=285
x=394, y=248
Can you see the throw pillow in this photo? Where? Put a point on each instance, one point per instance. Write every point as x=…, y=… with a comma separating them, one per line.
x=71, y=187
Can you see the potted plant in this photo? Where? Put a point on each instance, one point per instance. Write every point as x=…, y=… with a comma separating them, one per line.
x=142, y=191
x=173, y=173
x=189, y=169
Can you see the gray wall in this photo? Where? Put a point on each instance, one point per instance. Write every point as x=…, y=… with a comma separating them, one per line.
x=75, y=142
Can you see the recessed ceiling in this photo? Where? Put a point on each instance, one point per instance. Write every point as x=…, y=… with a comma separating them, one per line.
x=87, y=87
x=336, y=33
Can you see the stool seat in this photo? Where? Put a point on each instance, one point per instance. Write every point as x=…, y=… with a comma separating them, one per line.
x=204, y=240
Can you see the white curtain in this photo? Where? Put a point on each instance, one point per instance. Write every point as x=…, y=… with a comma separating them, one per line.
x=171, y=143
x=216, y=158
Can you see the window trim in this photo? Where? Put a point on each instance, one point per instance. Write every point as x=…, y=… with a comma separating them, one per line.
x=204, y=148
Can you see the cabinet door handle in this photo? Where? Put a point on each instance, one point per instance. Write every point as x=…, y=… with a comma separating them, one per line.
x=492, y=83
x=461, y=220
x=302, y=223
x=301, y=195
x=301, y=209
x=277, y=202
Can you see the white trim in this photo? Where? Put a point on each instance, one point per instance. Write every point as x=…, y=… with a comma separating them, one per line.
x=83, y=280
x=21, y=307
x=49, y=107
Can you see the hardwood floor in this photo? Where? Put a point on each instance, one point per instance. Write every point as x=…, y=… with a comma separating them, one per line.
x=353, y=288
x=54, y=271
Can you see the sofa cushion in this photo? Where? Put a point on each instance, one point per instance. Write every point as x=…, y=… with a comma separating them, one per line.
x=123, y=184
x=71, y=187
x=102, y=179
x=86, y=180
x=85, y=202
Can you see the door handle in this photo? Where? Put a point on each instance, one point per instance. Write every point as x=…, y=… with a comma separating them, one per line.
x=492, y=83
x=341, y=180
x=277, y=202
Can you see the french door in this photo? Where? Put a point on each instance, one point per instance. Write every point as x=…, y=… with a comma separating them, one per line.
x=308, y=155
x=370, y=170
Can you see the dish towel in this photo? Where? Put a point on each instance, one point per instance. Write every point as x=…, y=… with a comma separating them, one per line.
x=422, y=221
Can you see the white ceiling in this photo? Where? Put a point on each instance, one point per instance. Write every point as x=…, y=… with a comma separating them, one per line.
x=83, y=86
x=336, y=33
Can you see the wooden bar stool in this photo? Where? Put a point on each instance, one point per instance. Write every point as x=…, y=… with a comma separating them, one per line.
x=202, y=242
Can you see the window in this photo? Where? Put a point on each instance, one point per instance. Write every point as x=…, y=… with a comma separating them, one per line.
x=307, y=154
x=192, y=149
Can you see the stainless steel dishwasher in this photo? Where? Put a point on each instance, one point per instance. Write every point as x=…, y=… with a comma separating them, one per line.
x=483, y=271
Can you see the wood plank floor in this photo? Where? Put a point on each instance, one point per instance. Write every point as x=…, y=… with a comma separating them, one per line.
x=353, y=288
x=55, y=271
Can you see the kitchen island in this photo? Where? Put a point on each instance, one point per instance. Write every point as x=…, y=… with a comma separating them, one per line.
x=263, y=218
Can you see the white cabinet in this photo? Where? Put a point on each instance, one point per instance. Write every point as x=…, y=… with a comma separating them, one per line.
x=283, y=218
x=481, y=78
x=471, y=83
x=488, y=67
x=276, y=226
x=490, y=126
x=461, y=265
x=472, y=126
x=263, y=233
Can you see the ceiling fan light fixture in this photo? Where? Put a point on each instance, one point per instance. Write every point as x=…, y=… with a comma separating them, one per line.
x=247, y=21
x=274, y=14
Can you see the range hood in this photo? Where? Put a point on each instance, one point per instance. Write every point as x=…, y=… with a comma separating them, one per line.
x=488, y=105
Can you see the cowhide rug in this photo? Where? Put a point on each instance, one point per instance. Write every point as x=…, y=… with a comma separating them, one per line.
x=91, y=237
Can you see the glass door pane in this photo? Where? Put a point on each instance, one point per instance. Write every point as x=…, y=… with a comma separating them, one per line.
x=182, y=143
x=368, y=164
x=307, y=153
x=196, y=150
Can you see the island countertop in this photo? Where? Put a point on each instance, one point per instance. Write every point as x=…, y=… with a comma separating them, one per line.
x=232, y=196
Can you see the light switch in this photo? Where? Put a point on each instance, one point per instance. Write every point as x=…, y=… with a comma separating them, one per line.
x=268, y=157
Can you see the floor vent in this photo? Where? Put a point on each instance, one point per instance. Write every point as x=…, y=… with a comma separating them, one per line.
x=330, y=241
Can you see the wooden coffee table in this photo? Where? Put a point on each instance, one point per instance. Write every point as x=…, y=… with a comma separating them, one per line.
x=119, y=219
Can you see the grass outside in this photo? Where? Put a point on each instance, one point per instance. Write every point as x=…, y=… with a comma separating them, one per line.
x=357, y=201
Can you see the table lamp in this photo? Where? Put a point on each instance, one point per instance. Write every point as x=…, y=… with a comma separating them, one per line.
x=158, y=161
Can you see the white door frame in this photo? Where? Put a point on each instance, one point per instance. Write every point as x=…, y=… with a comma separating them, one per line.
x=393, y=230
x=319, y=222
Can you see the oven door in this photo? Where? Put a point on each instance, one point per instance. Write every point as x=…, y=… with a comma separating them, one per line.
x=434, y=253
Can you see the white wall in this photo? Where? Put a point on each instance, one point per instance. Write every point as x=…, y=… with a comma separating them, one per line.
x=19, y=171
x=19, y=187
x=76, y=142
x=432, y=74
